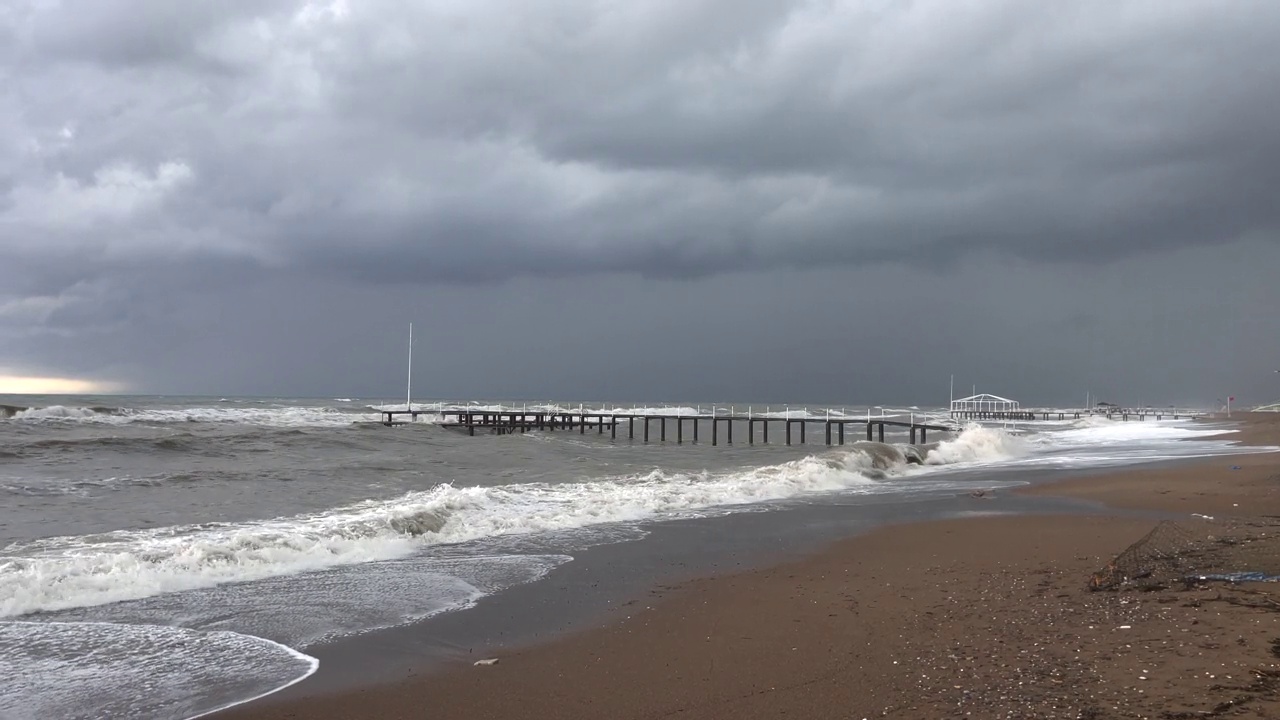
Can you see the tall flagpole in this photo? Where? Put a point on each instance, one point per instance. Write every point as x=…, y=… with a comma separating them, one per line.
x=408, y=393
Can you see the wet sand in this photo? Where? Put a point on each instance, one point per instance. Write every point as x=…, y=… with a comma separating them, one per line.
x=983, y=617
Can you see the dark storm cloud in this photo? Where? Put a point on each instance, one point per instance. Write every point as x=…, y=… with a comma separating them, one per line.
x=133, y=32
x=666, y=138
x=154, y=153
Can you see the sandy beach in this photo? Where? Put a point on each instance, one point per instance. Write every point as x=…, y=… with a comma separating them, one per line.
x=987, y=616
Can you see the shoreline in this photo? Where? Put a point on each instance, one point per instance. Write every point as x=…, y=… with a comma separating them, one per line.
x=858, y=628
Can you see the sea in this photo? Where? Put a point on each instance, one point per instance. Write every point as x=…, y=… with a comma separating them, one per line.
x=167, y=557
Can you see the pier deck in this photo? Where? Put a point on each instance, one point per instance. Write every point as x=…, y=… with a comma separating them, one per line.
x=506, y=422
x=689, y=426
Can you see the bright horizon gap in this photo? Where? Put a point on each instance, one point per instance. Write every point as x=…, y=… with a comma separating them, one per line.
x=33, y=385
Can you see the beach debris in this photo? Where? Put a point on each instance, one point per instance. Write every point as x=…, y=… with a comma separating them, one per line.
x=486, y=662
x=986, y=494
x=1175, y=554
x=1237, y=577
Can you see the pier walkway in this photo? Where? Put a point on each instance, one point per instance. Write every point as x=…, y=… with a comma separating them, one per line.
x=794, y=429
x=650, y=426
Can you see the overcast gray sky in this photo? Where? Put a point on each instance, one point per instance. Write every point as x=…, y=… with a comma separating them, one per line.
x=762, y=200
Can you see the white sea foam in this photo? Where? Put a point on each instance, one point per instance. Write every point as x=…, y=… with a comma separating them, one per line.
x=65, y=572
x=301, y=610
x=977, y=444
x=1096, y=431
x=55, y=412
x=1096, y=441
x=285, y=416
x=1092, y=421
x=75, y=671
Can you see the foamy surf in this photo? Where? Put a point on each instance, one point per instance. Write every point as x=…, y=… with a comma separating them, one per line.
x=86, y=671
x=977, y=445
x=302, y=610
x=58, y=412
x=67, y=572
x=1101, y=431
x=284, y=416
x=235, y=643
x=1097, y=441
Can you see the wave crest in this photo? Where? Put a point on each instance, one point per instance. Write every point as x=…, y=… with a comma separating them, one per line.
x=56, y=412
x=58, y=573
x=976, y=444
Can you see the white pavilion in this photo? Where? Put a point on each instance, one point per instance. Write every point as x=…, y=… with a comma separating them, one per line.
x=984, y=403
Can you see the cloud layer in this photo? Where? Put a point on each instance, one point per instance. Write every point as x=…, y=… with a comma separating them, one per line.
x=150, y=150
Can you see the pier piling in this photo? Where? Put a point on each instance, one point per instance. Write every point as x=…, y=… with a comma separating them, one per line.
x=524, y=421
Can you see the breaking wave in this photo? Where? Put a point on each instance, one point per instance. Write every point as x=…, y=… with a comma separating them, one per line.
x=57, y=573
x=976, y=444
x=8, y=411
x=61, y=412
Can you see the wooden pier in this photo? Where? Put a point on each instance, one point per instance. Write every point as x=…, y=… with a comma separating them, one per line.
x=507, y=422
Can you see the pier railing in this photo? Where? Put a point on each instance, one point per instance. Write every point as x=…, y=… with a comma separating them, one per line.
x=681, y=424
x=794, y=429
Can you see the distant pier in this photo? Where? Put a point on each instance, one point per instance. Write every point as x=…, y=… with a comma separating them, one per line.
x=651, y=426
x=693, y=427
x=1125, y=415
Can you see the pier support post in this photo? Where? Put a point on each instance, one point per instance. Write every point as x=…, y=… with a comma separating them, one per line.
x=868, y=431
x=828, y=432
x=631, y=427
x=613, y=429
x=728, y=431
x=803, y=429
x=715, y=430
x=695, y=428
x=679, y=431
x=751, y=431
x=765, y=437
x=922, y=441
x=880, y=432
x=662, y=429
x=787, y=422
x=841, y=431
x=646, y=428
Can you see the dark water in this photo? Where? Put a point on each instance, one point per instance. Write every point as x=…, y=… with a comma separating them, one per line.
x=205, y=544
